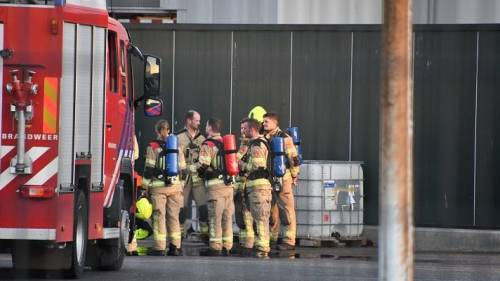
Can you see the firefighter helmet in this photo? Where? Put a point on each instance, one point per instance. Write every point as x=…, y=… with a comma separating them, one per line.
x=257, y=113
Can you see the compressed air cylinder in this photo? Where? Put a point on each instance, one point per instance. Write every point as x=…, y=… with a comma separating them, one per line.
x=278, y=149
x=230, y=155
x=171, y=157
x=295, y=134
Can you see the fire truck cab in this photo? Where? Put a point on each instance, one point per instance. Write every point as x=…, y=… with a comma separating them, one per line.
x=67, y=105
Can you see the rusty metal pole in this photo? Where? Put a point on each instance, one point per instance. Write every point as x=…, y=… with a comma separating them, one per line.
x=396, y=145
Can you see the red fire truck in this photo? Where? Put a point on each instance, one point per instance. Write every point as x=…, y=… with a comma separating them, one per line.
x=67, y=108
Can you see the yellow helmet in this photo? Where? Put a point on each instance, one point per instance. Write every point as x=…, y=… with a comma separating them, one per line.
x=144, y=209
x=257, y=113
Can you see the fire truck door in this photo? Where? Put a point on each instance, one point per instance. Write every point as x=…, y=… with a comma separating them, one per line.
x=117, y=113
x=2, y=149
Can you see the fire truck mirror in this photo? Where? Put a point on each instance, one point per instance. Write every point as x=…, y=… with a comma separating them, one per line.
x=151, y=75
x=134, y=50
x=153, y=107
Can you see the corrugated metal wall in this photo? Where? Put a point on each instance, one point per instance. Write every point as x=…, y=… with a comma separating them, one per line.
x=445, y=91
x=488, y=130
x=325, y=79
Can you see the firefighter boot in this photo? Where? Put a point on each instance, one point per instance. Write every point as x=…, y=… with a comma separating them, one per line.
x=153, y=252
x=286, y=247
x=246, y=252
x=262, y=255
x=214, y=253
x=226, y=252
x=174, y=251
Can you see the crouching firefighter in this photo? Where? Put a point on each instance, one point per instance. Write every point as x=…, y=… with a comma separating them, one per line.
x=218, y=167
x=256, y=168
x=164, y=167
x=286, y=167
x=144, y=210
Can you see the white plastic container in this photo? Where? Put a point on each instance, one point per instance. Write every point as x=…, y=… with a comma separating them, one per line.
x=329, y=200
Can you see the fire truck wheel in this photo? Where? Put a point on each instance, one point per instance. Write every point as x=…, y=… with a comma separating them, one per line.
x=114, y=251
x=78, y=248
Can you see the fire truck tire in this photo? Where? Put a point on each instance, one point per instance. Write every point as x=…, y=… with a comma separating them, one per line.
x=78, y=248
x=113, y=251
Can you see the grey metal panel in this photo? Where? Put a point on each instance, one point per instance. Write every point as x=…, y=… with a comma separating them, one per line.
x=157, y=42
x=456, y=11
x=366, y=114
x=488, y=131
x=98, y=95
x=66, y=115
x=83, y=91
x=316, y=12
x=464, y=11
x=223, y=11
x=320, y=103
x=95, y=4
x=261, y=74
x=134, y=3
x=329, y=11
x=444, y=105
x=202, y=75
x=276, y=11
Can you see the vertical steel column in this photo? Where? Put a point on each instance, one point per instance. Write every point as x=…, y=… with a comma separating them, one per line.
x=396, y=140
x=173, y=82
x=291, y=79
x=475, y=130
x=231, y=85
x=350, y=95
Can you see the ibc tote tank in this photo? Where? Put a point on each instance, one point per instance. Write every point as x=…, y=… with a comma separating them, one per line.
x=329, y=200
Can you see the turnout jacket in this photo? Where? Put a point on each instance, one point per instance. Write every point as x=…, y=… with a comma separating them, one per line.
x=293, y=167
x=154, y=167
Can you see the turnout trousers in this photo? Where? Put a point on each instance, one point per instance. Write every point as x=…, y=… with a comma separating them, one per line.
x=167, y=203
x=283, y=212
x=220, y=212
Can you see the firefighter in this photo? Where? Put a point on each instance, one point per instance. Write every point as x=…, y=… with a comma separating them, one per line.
x=143, y=228
x=243, y=216
x=165, y=192
x=255, y=167
x=190, y=140
x=144, y=210
x=219, y=192
x=283, y=209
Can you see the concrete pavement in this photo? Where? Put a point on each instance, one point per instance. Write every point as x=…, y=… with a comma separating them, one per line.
x=344, y=263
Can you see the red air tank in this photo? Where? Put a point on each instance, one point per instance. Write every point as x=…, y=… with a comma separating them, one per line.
x=230, y=155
